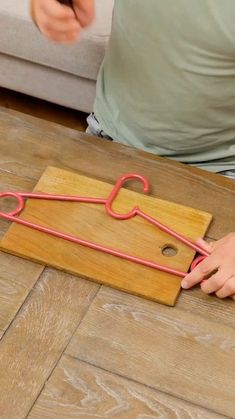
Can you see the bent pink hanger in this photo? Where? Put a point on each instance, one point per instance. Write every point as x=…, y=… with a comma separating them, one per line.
x=108, y=202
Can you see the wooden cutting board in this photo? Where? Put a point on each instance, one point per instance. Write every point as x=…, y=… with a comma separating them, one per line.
x=90, y=221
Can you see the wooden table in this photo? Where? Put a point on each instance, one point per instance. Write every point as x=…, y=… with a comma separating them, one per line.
x=70, y=348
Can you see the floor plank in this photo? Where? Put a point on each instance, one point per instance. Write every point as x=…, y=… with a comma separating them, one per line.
x=33, y=344
x=179, y=353
x=41, y=144
x=79, y=390
x=17, y=278
x=43, y=109
x=207, y=306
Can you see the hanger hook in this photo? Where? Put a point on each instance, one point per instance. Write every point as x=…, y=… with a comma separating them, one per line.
x=119, y=184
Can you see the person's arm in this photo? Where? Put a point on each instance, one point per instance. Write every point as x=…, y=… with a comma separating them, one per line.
x=216, y=274
x=60, y=22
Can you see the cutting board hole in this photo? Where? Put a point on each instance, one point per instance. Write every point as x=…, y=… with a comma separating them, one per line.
x=169, y=250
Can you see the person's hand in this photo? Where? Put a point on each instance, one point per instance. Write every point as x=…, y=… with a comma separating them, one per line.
x=216, y=273
x=59, y=22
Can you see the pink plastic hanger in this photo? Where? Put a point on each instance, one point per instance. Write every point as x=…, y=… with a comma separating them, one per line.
x=108, y=202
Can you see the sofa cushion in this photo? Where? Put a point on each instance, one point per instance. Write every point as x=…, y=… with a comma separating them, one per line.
x=20, y=38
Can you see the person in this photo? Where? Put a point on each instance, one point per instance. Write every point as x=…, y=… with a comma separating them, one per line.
x=166, y=85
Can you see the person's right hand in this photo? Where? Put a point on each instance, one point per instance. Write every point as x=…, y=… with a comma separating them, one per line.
x=59, y=22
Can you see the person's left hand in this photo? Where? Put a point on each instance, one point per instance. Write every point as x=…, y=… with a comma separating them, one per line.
x=216, y=272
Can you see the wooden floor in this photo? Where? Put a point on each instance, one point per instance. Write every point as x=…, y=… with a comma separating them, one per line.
x=42, y=109
x=70, y=348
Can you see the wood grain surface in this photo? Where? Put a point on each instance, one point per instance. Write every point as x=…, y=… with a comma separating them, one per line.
x=36, y=339
x=43, y=109
x=180, y=353
x=81, y=390
x=135, y=237
x=127, y=352
x=17, y=278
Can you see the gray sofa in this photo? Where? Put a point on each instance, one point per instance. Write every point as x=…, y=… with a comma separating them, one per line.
x=31, y=64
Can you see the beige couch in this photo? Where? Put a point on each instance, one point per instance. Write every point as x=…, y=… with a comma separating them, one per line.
x=61, y=74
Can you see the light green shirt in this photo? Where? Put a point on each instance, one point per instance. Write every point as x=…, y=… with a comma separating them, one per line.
x=167, y=83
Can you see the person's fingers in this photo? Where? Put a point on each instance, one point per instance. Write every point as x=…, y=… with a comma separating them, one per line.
x=216, y=272
x=62, y=37
x=202, y=271
x=208, y=247
x=55, y=10
x=46, y=12
x=228, y=289
x=55, y=25
x=215, y=282
x=85, y=11
x=56, y=21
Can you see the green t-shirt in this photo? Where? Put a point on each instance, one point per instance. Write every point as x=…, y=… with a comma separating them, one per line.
x=167, y=83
